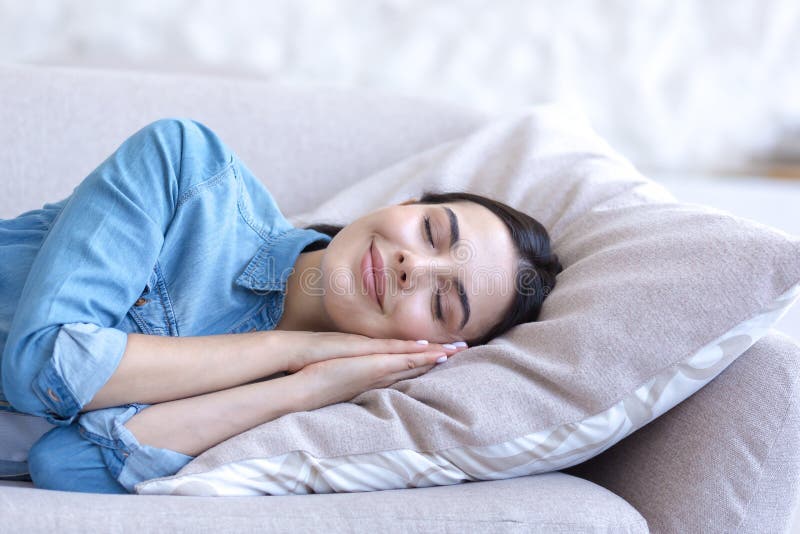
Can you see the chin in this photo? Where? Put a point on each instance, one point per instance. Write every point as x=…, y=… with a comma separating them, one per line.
x=332, y=304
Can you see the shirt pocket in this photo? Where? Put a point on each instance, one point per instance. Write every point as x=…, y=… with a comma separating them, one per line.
x=152, y=312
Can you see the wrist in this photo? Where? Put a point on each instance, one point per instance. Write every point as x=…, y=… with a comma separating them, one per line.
x=302, y=391
x=278, y=349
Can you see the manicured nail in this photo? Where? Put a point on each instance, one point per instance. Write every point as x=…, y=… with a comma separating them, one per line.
x=422, y=341
x=459, y=344
x=448, y=346
x=442, y=359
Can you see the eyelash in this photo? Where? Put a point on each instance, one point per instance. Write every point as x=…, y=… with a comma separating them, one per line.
x=438, y=300
x=439, y=307
x=428, y=229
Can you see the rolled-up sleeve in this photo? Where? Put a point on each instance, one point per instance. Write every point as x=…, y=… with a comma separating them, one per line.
x=84, y=356
x=95, y=260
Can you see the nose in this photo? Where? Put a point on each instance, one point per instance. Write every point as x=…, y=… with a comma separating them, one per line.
x=411, y=269
x=402, y=271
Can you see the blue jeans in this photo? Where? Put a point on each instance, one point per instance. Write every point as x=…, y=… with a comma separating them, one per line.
x=72, y=458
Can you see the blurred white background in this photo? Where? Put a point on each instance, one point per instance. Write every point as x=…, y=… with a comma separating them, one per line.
x=701, y=95
x=706, y=85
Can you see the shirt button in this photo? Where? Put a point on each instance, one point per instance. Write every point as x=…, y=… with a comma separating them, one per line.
x=140, y=302
x=52, y=395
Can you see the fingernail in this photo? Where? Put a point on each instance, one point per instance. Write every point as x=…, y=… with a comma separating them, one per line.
x=442, y=359
x=422, y=341
x=448, y=346
x=459, y=344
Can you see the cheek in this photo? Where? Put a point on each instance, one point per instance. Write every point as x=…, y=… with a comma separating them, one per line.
x=412, y=320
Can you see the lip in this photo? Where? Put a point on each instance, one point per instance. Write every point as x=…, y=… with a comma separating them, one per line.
x=368, y=275
x=380, y=275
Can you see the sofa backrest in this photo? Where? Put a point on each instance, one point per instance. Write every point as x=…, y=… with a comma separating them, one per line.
x=59, y=123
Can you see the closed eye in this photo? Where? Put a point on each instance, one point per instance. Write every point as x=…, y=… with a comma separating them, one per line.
x=428, y=230
x=437, y=300
x=438, y=306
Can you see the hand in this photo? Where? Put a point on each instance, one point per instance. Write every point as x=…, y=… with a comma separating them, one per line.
x=340, y=379
x=304, y=348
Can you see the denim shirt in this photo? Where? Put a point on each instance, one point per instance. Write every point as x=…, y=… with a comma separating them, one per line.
x=172, y=235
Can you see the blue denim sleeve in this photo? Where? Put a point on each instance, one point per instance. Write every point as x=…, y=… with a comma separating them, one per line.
x=62, y=346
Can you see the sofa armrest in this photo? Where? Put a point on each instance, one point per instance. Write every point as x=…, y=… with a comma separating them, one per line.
x=724, y=460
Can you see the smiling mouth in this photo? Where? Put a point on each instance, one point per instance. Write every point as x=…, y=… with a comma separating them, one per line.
x=378, y=277
x=369, y=274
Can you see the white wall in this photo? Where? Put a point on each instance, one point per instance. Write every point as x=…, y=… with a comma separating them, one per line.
x=672, y=84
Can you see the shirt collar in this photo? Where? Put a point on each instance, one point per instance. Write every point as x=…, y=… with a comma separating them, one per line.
x=275, y=259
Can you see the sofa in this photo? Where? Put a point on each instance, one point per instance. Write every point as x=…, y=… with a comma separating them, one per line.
x=724, y=460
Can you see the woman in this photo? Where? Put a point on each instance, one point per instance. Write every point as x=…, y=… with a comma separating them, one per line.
x=114, y=384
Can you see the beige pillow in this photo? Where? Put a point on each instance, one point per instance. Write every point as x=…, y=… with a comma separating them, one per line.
x=655, y=300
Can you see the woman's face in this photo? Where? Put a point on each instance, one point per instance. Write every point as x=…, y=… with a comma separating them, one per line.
x=420, y=280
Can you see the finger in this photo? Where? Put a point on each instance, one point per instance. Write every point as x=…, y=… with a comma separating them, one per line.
x=434, y=360
x=449, y=348
x=337, y=345
x=402, y=346
x=412, y=373
x=402, y=363
x=362, y=346
x=328, y=345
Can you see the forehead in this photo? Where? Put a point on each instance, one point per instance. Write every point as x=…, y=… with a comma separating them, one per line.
x=485, y=260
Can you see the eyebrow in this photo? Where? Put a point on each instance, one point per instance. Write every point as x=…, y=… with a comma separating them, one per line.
x=454, y=238
x=454, y=234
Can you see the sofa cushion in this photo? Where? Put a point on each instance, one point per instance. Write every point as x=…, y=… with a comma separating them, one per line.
x=656, y=299
x=553, y=502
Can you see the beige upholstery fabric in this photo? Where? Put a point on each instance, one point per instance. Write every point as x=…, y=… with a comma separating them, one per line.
x=553, y=502
x=715, y=462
